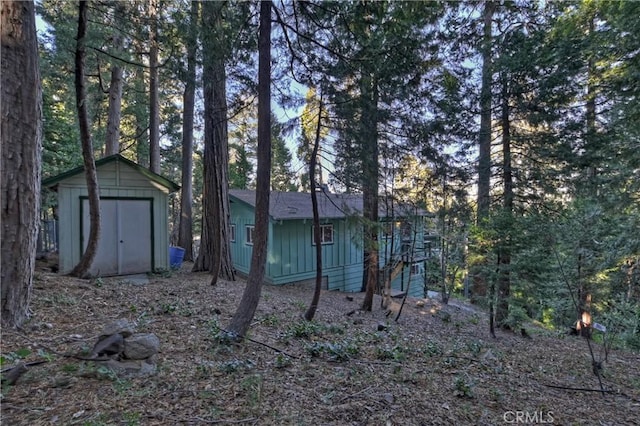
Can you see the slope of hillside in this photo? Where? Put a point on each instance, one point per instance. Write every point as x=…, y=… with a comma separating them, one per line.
x=436, y=365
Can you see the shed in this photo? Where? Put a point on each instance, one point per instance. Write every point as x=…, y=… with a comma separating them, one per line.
x=134, y=213
x=291, y=246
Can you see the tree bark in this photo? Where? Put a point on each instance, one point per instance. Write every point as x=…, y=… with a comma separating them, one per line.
x=370, y=153
x=479, y=283
x=154, y=104
x=21, y=139
x=112, y=138
x=504, y=250
x=141, y=115
x=246, y=310
x=311, y=311
x=484, y=139
x=592, y=190
x=185, y=232
x=91, y=176
x=215, y=253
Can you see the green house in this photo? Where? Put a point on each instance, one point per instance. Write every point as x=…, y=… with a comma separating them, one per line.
x=291, y=246
x=134, y=207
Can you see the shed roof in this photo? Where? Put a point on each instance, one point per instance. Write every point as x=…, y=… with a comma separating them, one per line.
x=297, y=205
x=171, y=186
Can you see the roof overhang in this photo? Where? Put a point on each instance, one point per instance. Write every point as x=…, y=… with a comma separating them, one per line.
x=53, y=182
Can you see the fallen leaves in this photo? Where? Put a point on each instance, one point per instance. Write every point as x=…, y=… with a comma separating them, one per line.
x=437, y=365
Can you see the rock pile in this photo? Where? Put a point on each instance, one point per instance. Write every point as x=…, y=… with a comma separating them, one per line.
x=127, y=353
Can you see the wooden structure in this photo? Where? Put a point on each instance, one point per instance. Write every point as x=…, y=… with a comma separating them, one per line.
x=134, y=218
x=291, y=249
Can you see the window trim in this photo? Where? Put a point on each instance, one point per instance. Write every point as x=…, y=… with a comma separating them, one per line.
x=387, y=230
x=415, y=267
x=232, y=231
x=249, y=230
x=323, y=226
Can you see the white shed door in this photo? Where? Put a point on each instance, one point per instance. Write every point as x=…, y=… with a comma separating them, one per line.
x=125, y=237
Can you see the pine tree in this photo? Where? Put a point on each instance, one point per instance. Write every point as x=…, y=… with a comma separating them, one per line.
x=246, y=309
x=21, y=140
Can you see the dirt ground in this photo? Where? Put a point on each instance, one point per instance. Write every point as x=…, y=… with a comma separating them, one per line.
x=435, y=365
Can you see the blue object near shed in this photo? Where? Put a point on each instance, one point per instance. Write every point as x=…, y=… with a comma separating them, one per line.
x=176, y=255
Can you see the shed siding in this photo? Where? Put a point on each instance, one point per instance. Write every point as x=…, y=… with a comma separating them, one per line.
x=116, y=175
x=72, y=189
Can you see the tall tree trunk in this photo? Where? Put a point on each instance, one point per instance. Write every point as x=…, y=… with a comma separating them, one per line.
x=185, y=232
x=444, y=245
x=21, y=139
x=632, y=277
x=591, y=147
x=479, y=286
x=112, y=138
x=246, y=310
x=141, y=112
x=591, y=187
x=390, y=259
x=484, y=139
x=311, y=311
x=154, y=104
x=369, y=123
x=91, y=176
x=215, y=253
x=504, y=250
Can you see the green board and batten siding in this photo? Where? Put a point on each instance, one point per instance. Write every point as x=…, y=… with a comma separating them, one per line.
x=118, y=179
x=292, y=255
x=291, y=252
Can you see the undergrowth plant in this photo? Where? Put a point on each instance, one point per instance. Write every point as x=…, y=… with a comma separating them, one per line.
x=335, y=351
x=235, y=365
x=463, y=387
x=391, y=353
x=304, y=329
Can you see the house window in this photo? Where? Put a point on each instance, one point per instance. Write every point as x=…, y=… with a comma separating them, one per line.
x=250, y=229
x=387, y=230
x=232, y=233
x=415, y=269
x=326, y=234
x=407, y=230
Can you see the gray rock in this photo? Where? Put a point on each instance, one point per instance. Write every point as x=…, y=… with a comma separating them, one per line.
x=108, y=346
x=120, y=326
x=141, y=346
x=131, y=368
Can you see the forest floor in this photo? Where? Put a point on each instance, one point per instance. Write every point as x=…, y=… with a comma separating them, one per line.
x=435, y=365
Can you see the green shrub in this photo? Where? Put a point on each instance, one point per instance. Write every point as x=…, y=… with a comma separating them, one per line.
x=304, y=329
x=395, y=353
x=338, y=351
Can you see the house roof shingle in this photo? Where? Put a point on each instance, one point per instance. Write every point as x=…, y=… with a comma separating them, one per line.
x=297, y=205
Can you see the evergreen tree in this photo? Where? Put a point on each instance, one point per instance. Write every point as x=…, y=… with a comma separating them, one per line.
x=282, y=178
x=240, y=168
x=215, y=254
x=91, y=176
x=21, y=140
x=241, y=320
x=374, y=60
x=185, y=235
